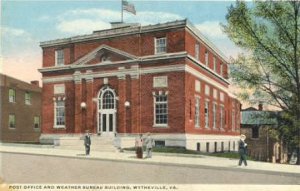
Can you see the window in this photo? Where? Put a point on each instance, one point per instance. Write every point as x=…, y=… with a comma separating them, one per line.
x=229, y=146
x=12, y=121
x=221, y=96
x=255, y=132
x=221, y=69
x=160, y=45
x=222, y=146
x=161, y=110
x=206, y=58
x=214, y=115
x=27, y=98
x=197, y=47
x=207, y=90
x=216, y=147
x=207, y=147
x=12, y=95
x=59, y=89
x=215, y=63
x=215, y=93
x=59, y=57
x=222, y=118
x=197, y=113
x=206, y=114
x=233, y=120
x=36, y=122
x=198, y=147
x=159, y=143
x=197, y=86
x=59, y=114
x=108, y=101
x=160, y=82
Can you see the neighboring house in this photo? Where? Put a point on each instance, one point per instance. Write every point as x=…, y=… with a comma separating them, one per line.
x=166, y=79
x=257, y=125
x=20, y=110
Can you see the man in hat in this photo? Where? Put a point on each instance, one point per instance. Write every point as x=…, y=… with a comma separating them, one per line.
x=87, y=142
x=139, y=146
x=242, y=150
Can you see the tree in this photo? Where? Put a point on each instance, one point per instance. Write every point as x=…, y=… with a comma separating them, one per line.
x=269, y=34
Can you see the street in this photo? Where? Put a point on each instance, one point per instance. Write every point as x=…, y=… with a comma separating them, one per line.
x=25, y=168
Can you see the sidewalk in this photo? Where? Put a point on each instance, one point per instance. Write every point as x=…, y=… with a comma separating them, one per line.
x=158, y=158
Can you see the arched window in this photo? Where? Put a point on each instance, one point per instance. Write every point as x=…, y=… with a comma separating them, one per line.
x=107, y=99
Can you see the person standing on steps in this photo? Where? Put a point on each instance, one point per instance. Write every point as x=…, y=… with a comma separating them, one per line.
x=149, y=145
x=87, y=142
x=243, y=150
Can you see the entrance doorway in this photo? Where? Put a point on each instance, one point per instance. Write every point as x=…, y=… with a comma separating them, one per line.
x=107, y=111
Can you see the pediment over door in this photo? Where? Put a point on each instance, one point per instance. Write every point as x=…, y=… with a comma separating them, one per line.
x=104, y=54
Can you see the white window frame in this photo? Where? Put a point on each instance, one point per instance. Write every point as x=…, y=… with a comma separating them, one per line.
x=59, y=61
x=27, y=98
x=207, y=90
x=158, y=46
x=56, y=125
x=206, y=58
x=197, y=111
x=38, y=122
x=13, y=118
x=197, y=50
x=222, y=116
x=221, y=69
x=197, y=86
x=214, y=115
x=215, y=63
x=12, y=98
x=156, y=103
x=206, y=113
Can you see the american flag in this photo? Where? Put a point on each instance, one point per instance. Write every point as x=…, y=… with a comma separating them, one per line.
x=128, y=7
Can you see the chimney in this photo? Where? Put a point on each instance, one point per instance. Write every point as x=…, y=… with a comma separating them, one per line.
x=260, y=106
x=35, y=83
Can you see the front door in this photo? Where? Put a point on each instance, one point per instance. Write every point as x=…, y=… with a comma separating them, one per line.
x=108, y=121
x=107, y=112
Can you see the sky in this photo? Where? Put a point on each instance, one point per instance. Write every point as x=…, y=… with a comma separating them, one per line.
x=24, y=24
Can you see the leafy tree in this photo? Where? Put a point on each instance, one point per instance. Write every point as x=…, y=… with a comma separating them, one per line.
x=269, y=34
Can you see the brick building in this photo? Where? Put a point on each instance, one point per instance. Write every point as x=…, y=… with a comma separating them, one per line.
x=167, y=79
x=20, y=110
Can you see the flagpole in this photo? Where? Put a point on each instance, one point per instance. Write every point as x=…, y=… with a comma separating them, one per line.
x=122, y=11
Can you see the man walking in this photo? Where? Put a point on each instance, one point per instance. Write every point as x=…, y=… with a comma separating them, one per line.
x=87, y=143
x=243, y=150
x=149, y=144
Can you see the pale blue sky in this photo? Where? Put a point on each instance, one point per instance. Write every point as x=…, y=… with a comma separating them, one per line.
x=25, y=23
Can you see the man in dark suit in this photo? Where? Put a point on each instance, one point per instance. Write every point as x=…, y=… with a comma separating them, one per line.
x=243, y=150
x=87, y=143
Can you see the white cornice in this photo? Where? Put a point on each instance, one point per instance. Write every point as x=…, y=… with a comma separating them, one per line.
x=201, y=65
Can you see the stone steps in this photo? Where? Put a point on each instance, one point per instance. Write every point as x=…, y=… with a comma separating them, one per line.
x=98, y=143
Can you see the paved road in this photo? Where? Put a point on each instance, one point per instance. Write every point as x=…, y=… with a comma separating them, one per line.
x=24, y=168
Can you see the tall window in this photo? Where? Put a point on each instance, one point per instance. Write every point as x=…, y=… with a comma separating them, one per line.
x=12, y=95
x=160, y=45
x=197, y=47
x=36, y=122
x=12, y=121
x=222, y=118
x=215, y=64
x=206, y=114
x=59, y=114
x=255, y=132
x=206, y=58
x=161, y=110
x=27, y=98
x=233, y=120
x=59, y=58
x=197, y=113
x=214, y=115
x=221, y=69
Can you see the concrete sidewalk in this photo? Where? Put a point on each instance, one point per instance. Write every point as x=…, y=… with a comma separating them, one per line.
x=158, y=158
